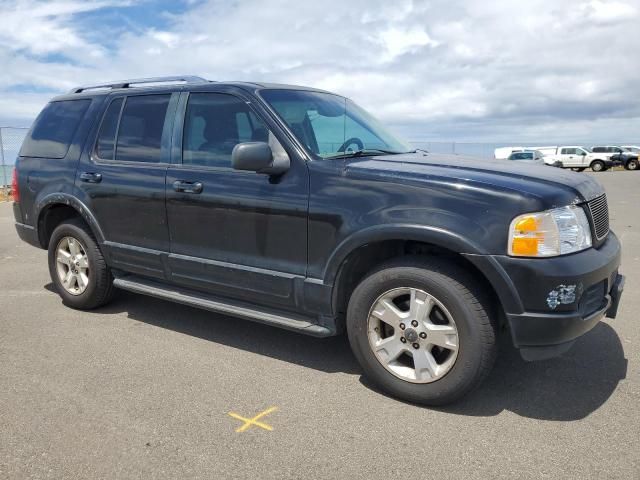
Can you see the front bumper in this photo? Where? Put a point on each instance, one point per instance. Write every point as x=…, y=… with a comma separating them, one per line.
x=562, y=298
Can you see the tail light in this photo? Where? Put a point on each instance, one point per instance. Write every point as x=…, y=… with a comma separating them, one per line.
x=15, y=191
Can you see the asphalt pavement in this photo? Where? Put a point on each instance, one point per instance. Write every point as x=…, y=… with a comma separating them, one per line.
x=144, y=388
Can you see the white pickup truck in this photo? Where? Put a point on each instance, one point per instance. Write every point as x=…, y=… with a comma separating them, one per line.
x=575, y=157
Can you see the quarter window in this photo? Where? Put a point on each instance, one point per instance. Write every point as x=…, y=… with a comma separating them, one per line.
x=214, y=124
x=53, y=130
x=107, y=136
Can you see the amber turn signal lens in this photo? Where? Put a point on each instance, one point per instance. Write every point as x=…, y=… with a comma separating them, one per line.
x=527, y=224
x=526, y=246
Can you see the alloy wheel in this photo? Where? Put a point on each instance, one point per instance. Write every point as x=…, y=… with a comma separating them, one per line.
x=413, y=335
x=72, y=265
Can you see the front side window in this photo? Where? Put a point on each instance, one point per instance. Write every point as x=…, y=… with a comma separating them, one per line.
x=139, y=135
x=568, y=151
x=331, y=126
x=214, y=124
x=53, y=130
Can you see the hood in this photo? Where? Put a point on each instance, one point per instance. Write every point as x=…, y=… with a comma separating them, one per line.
x=556, y=184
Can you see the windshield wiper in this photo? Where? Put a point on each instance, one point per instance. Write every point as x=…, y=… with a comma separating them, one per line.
x=365, y=153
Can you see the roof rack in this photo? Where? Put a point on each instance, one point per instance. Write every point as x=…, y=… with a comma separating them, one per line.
x=140, y=81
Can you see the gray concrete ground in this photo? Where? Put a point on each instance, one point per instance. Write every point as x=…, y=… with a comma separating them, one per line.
x=143, y=388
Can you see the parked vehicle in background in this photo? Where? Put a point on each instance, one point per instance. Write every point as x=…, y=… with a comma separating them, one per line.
x=528, y=156
x=616, y=155
x=632, y=148
x=575, y=157
x=632, y=164
x=502, y=153
x=293, y=207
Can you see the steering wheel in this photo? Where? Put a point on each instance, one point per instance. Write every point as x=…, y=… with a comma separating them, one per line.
x=352, y=140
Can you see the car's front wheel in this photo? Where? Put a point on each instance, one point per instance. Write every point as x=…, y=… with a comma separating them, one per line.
x=77, y=267
x=598, y=166
x=421, y=330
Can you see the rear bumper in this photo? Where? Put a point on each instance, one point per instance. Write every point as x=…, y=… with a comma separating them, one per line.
x=28, y=234
x=562, y=298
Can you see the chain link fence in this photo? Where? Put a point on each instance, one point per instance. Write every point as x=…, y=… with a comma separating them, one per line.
x=10, y=141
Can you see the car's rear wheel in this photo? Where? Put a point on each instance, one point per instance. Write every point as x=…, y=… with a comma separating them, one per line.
x=421, y=330
x=597, y=166
x=77, y=267
x=632, y=164
x=578, y=169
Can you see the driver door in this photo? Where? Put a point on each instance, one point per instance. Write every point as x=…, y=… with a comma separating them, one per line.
x=235, y=233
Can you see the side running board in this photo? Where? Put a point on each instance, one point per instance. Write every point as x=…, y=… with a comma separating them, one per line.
x=141, y=285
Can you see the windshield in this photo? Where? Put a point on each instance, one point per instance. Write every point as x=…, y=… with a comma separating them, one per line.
x=331, y=126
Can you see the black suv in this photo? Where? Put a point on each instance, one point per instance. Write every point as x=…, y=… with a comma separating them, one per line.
x=293, y=207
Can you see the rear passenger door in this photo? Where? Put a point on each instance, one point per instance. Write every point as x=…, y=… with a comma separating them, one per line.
x=235, y=233
x=123, y=175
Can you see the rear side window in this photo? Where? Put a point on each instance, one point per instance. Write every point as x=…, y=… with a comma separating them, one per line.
x=597, y=149
x=139, y=135
x=53, y=130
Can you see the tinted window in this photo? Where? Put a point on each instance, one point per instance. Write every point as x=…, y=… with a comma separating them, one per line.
x=107, y=137
x=569, y=151
x=329, y=125
x=214, y=124
x=54, y=128
x=141, y=126
x=598, y=149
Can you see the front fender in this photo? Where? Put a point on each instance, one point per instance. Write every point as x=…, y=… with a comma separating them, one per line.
x=419, y=233
x=488, y=267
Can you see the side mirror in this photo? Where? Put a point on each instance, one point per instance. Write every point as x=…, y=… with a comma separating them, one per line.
x=258, y=157
x=583, y=153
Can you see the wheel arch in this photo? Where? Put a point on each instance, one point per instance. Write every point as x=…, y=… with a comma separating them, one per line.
x=56, y=208
x=355, y=258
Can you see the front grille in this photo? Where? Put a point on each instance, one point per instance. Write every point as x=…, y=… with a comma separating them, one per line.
x=599, y=211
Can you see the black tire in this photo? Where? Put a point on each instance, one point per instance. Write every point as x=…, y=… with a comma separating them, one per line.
x=578, y=169
x=99, y=290
x=598, y=166
x=468, y=304
x=631, y=164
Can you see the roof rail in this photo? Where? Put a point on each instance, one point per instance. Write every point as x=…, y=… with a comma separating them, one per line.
x=140, y=81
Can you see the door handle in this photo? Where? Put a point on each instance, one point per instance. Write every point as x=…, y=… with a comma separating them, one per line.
x=91, y=177
x=187, y=187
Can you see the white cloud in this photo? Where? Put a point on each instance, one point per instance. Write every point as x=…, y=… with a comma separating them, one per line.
x=609, y=11
x=451, y=69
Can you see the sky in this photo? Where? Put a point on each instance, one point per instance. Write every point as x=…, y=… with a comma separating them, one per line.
x=449, y=70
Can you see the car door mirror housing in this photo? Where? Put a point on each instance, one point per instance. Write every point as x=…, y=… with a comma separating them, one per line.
x=258, y=157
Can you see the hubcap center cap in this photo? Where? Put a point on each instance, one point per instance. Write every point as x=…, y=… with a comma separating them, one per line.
x=411, y=335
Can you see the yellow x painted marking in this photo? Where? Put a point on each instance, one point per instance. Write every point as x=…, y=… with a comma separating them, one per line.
x=253, y=421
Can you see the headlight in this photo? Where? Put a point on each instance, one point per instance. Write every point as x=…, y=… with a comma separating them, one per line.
x=551, y=233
